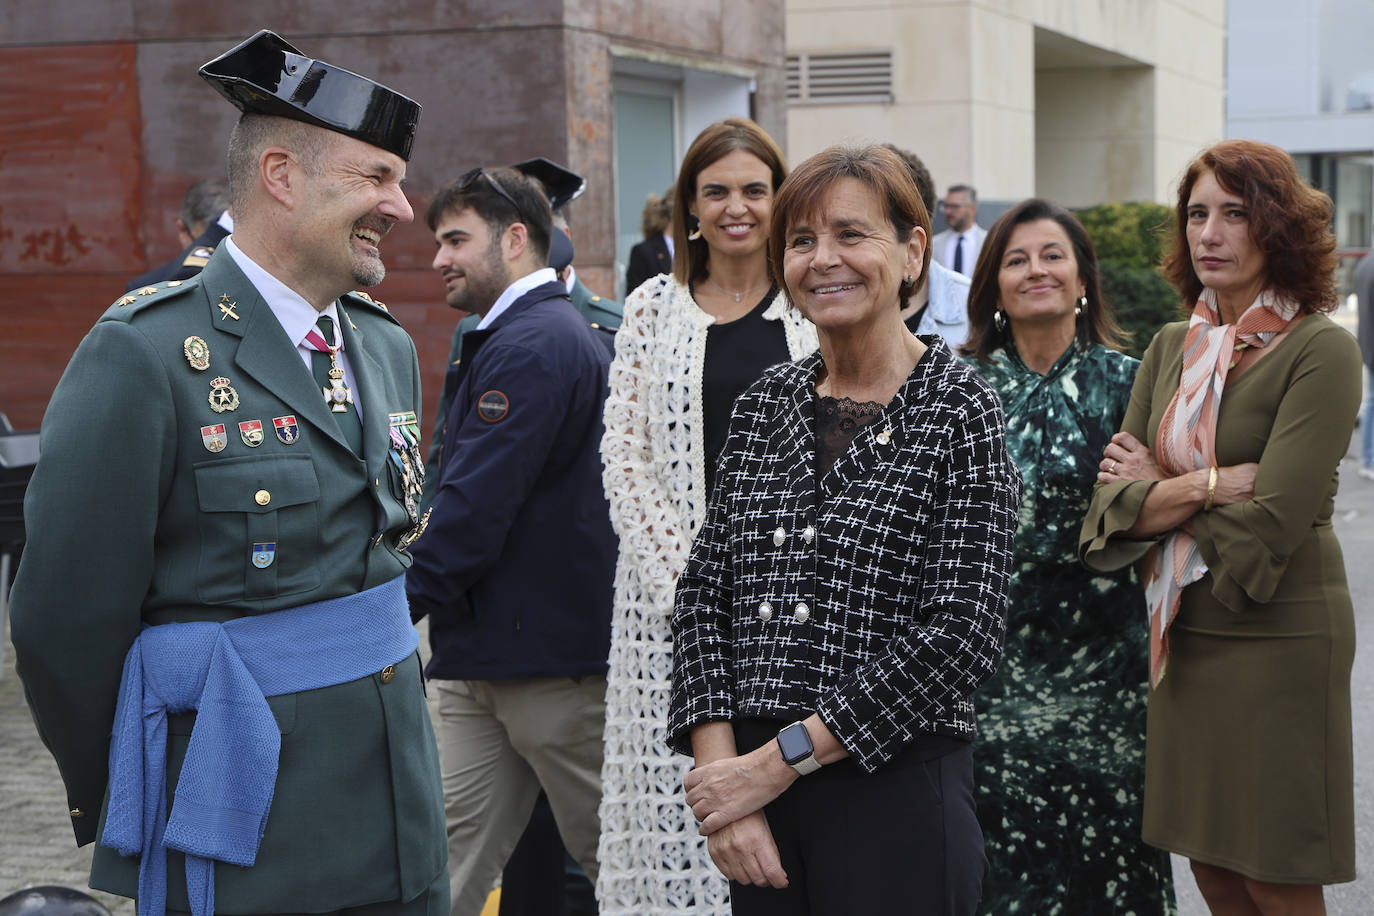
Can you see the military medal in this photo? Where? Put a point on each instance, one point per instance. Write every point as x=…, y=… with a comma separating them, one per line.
x=404, y=454
x=222, y=396
x=214, y=438
x=264, y=554
x=337, y=395
x=250, y=431
x=197, y=353
x=287, y=430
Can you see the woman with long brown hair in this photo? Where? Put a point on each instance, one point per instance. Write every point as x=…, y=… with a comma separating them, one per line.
x=690, y=344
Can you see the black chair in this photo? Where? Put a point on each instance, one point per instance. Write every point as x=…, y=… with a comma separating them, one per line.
x=18, y=455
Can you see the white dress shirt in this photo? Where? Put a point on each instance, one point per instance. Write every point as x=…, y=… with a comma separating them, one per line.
x=297, y=317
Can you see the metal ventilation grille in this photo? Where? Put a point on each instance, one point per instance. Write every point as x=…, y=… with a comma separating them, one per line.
x=840, y=77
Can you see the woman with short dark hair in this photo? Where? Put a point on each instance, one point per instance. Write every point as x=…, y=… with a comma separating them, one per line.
x=844, y=598
x=1223, y=479
x=1061, y=752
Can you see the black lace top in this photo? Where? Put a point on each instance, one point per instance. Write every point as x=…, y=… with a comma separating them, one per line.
x=838, y=421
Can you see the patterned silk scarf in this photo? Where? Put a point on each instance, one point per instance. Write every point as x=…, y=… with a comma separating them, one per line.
x=1186, y=441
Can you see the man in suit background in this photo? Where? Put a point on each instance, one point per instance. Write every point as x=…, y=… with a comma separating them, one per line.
x=204, y=222
x=958, y=246
x=242, y=451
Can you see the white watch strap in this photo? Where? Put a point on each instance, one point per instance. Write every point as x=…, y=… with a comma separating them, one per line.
x=808, y=764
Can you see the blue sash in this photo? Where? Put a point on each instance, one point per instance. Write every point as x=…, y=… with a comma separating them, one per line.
x=226, y=672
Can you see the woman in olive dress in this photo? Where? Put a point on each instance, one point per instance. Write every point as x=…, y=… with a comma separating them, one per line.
x=1060, y=754
x=1223, y=480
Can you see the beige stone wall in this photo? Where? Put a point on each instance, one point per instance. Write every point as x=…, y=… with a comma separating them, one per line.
x=1080, y=100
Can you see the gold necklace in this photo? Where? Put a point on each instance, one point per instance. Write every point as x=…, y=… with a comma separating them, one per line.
x=739, y=297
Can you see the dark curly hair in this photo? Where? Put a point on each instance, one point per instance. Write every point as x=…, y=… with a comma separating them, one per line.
x=1290, y=222
x=1095, y=325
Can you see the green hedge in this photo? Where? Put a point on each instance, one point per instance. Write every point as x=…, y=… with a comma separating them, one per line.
x=1130, y=239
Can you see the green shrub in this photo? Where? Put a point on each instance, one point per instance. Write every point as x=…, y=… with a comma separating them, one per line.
x=1130, y=240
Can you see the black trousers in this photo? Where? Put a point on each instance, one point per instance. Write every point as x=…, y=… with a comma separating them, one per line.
x=904, y=840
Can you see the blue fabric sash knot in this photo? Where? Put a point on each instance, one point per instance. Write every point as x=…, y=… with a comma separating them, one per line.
x=226, y=672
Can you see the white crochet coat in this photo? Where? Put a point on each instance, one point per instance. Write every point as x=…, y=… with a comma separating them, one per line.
x=651, y=859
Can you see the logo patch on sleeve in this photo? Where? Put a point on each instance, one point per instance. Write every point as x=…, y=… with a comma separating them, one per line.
x=493, y=406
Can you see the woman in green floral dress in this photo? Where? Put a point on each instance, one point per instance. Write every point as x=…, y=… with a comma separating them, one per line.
x=1060, y=755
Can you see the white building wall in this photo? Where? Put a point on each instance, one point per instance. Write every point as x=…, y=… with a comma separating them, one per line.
x=986, y=92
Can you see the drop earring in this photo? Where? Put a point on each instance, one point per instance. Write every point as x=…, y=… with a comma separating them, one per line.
x=693, y=229
x=999, y=318
x=1082, y=304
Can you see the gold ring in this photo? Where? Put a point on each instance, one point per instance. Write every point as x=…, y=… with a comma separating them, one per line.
x=1112, y=469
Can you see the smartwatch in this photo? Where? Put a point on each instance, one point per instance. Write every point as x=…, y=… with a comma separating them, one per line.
x=797, y=750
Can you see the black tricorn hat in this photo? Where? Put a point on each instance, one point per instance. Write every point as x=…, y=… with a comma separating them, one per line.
x=266, y=75
x=562, y=185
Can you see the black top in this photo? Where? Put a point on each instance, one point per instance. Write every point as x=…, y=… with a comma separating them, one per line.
x=737, y=352
x=913, y=321
x=838, y=421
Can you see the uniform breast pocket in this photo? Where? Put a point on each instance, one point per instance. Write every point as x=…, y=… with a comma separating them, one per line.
x=259, y=532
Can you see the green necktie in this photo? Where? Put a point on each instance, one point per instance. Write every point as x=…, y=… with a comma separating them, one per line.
x=320, y=364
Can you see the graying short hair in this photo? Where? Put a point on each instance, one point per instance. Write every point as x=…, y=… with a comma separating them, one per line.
x=255, y=133
x=205, y=200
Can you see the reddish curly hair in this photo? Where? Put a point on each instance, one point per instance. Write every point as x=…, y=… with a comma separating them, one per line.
x=1290, y=221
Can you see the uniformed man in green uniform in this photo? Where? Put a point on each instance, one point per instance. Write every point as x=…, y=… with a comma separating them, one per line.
x=229, y=479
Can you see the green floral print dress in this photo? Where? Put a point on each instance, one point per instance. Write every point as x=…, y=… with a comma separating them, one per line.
x=1060, y=756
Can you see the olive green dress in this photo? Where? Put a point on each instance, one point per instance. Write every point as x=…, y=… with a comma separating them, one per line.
x=1248, y=759
x=1060, y=755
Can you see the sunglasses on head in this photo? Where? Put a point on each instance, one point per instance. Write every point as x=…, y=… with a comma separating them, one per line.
x=471, y=178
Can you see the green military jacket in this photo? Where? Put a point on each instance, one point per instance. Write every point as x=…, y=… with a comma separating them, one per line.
x=150, y=506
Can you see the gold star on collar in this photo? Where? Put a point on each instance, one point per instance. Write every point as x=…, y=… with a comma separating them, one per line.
x=127, y=300
x=226, y=308
x=147, y=291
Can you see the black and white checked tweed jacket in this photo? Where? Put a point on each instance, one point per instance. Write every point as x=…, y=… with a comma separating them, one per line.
x=876, y=598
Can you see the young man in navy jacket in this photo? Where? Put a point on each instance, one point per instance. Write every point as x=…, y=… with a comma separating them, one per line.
x=515, y=569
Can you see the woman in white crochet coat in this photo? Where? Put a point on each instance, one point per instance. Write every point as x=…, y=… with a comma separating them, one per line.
x=689, y=345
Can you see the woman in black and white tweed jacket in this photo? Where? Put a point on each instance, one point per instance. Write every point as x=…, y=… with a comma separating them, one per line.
x=845, y=595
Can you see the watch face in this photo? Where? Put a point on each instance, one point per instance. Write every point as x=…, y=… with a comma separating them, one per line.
x=794, y=743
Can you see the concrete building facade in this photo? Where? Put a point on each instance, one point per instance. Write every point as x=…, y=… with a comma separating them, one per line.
x=106, y=124
x=1082, y=101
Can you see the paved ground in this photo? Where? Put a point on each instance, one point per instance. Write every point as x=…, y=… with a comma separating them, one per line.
x=36, y=845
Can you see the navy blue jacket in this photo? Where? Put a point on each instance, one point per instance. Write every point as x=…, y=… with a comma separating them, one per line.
x=517, y=565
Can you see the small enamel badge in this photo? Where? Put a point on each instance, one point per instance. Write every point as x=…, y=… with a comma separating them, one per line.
x=493, y=406
x=222, y=396
x=884, y=437
x=250, y=431
x=214, y=437
x=264, y=554
x=287, y=430
x=197, y=353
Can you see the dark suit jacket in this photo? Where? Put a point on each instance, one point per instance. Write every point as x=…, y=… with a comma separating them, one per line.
x=190, y=262
x=132, y=521
x=648, y=259
x=874, y=595
x=516, y=567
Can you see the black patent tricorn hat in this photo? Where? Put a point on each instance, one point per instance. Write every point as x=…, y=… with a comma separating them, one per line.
x=561, y=184
x=266, y=75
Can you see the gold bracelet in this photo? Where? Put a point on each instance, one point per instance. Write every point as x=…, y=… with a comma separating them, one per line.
x=1211, y=489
